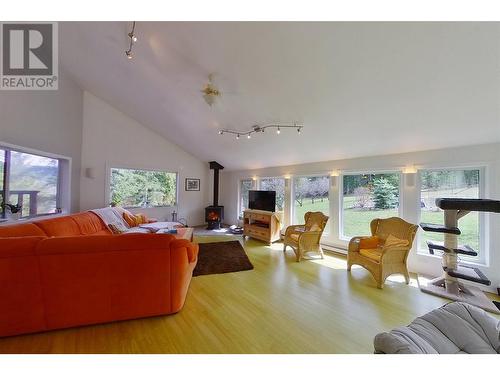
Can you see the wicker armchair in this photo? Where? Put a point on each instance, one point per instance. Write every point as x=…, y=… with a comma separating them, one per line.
x=305, y=238
x=380, y=259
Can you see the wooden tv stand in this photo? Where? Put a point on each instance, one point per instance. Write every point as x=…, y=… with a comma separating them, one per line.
x=262, y=225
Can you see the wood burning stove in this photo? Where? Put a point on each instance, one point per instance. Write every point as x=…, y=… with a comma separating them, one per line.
x=214, y=215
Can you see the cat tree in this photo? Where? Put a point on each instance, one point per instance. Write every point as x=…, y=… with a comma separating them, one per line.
x=448, y=285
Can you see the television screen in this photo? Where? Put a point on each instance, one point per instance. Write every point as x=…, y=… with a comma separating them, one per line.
x=262, y=200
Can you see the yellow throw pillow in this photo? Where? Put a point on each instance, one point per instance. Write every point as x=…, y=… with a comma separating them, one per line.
x=141, y=219
x=368, y=242
x=130, y=219
x=393, y=241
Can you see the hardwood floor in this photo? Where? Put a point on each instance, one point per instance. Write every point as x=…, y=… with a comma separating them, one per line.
x=279, y=307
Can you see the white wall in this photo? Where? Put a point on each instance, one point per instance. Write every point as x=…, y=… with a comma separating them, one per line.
x=112, y=139
x=483, y=155
x=47, y=121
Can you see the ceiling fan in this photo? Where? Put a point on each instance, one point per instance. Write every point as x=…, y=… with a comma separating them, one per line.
x=210, y=91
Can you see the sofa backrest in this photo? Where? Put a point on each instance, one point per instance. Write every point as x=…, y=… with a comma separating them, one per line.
x=59, y=226
x=21, y=230
x=90, y=223
x=84, y=223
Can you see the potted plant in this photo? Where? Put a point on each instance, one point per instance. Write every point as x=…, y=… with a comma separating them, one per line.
x=15, y=210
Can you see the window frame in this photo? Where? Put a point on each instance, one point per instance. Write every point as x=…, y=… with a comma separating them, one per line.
x=254, y=183
x=62, y=161
x=108, y=185
x=398, y=172
x=483, y=258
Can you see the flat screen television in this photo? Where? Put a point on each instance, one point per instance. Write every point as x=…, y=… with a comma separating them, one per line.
x=262, y=200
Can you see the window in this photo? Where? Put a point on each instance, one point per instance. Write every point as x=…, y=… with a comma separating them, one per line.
x=310, y=194
x=245, y=186
x=142, y=188
x=449, y=183
x=366, y=197
x=276, y=184
x=31, y=181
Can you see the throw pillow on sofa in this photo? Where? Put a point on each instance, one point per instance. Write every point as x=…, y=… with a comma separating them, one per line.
x=134, y=220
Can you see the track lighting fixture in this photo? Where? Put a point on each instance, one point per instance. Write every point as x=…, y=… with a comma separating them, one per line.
x=133, y=39
x=261, y=129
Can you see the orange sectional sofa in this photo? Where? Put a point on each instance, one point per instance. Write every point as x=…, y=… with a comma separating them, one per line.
x=71, y=271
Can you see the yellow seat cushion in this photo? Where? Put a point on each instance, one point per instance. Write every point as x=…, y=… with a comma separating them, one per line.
x=294, y=237
x=373, y=254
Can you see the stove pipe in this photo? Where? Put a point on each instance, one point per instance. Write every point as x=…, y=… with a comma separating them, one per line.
x=216, y=167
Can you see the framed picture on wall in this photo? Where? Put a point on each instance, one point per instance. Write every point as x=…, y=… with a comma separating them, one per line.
x=192, y=184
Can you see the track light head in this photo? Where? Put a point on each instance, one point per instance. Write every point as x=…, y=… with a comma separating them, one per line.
x=278, y=131
x=221, y=132
x=133, y=39
x=298, y=130
x=249, y=136
x=237, y=136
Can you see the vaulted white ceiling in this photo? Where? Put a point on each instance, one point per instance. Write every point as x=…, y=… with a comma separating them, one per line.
x=360, y=89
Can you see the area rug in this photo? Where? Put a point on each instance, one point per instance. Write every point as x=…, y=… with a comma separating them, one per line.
x=221, y=257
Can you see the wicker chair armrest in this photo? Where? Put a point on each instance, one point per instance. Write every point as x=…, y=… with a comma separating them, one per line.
x=294, y=228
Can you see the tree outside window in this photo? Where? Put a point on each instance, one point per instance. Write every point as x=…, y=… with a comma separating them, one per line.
x=366, y=197
x=142, y=188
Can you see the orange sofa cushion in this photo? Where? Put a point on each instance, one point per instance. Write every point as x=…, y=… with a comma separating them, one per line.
x=59, y=226
x=85, y=223
x=21, y=230
x=90, y=223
